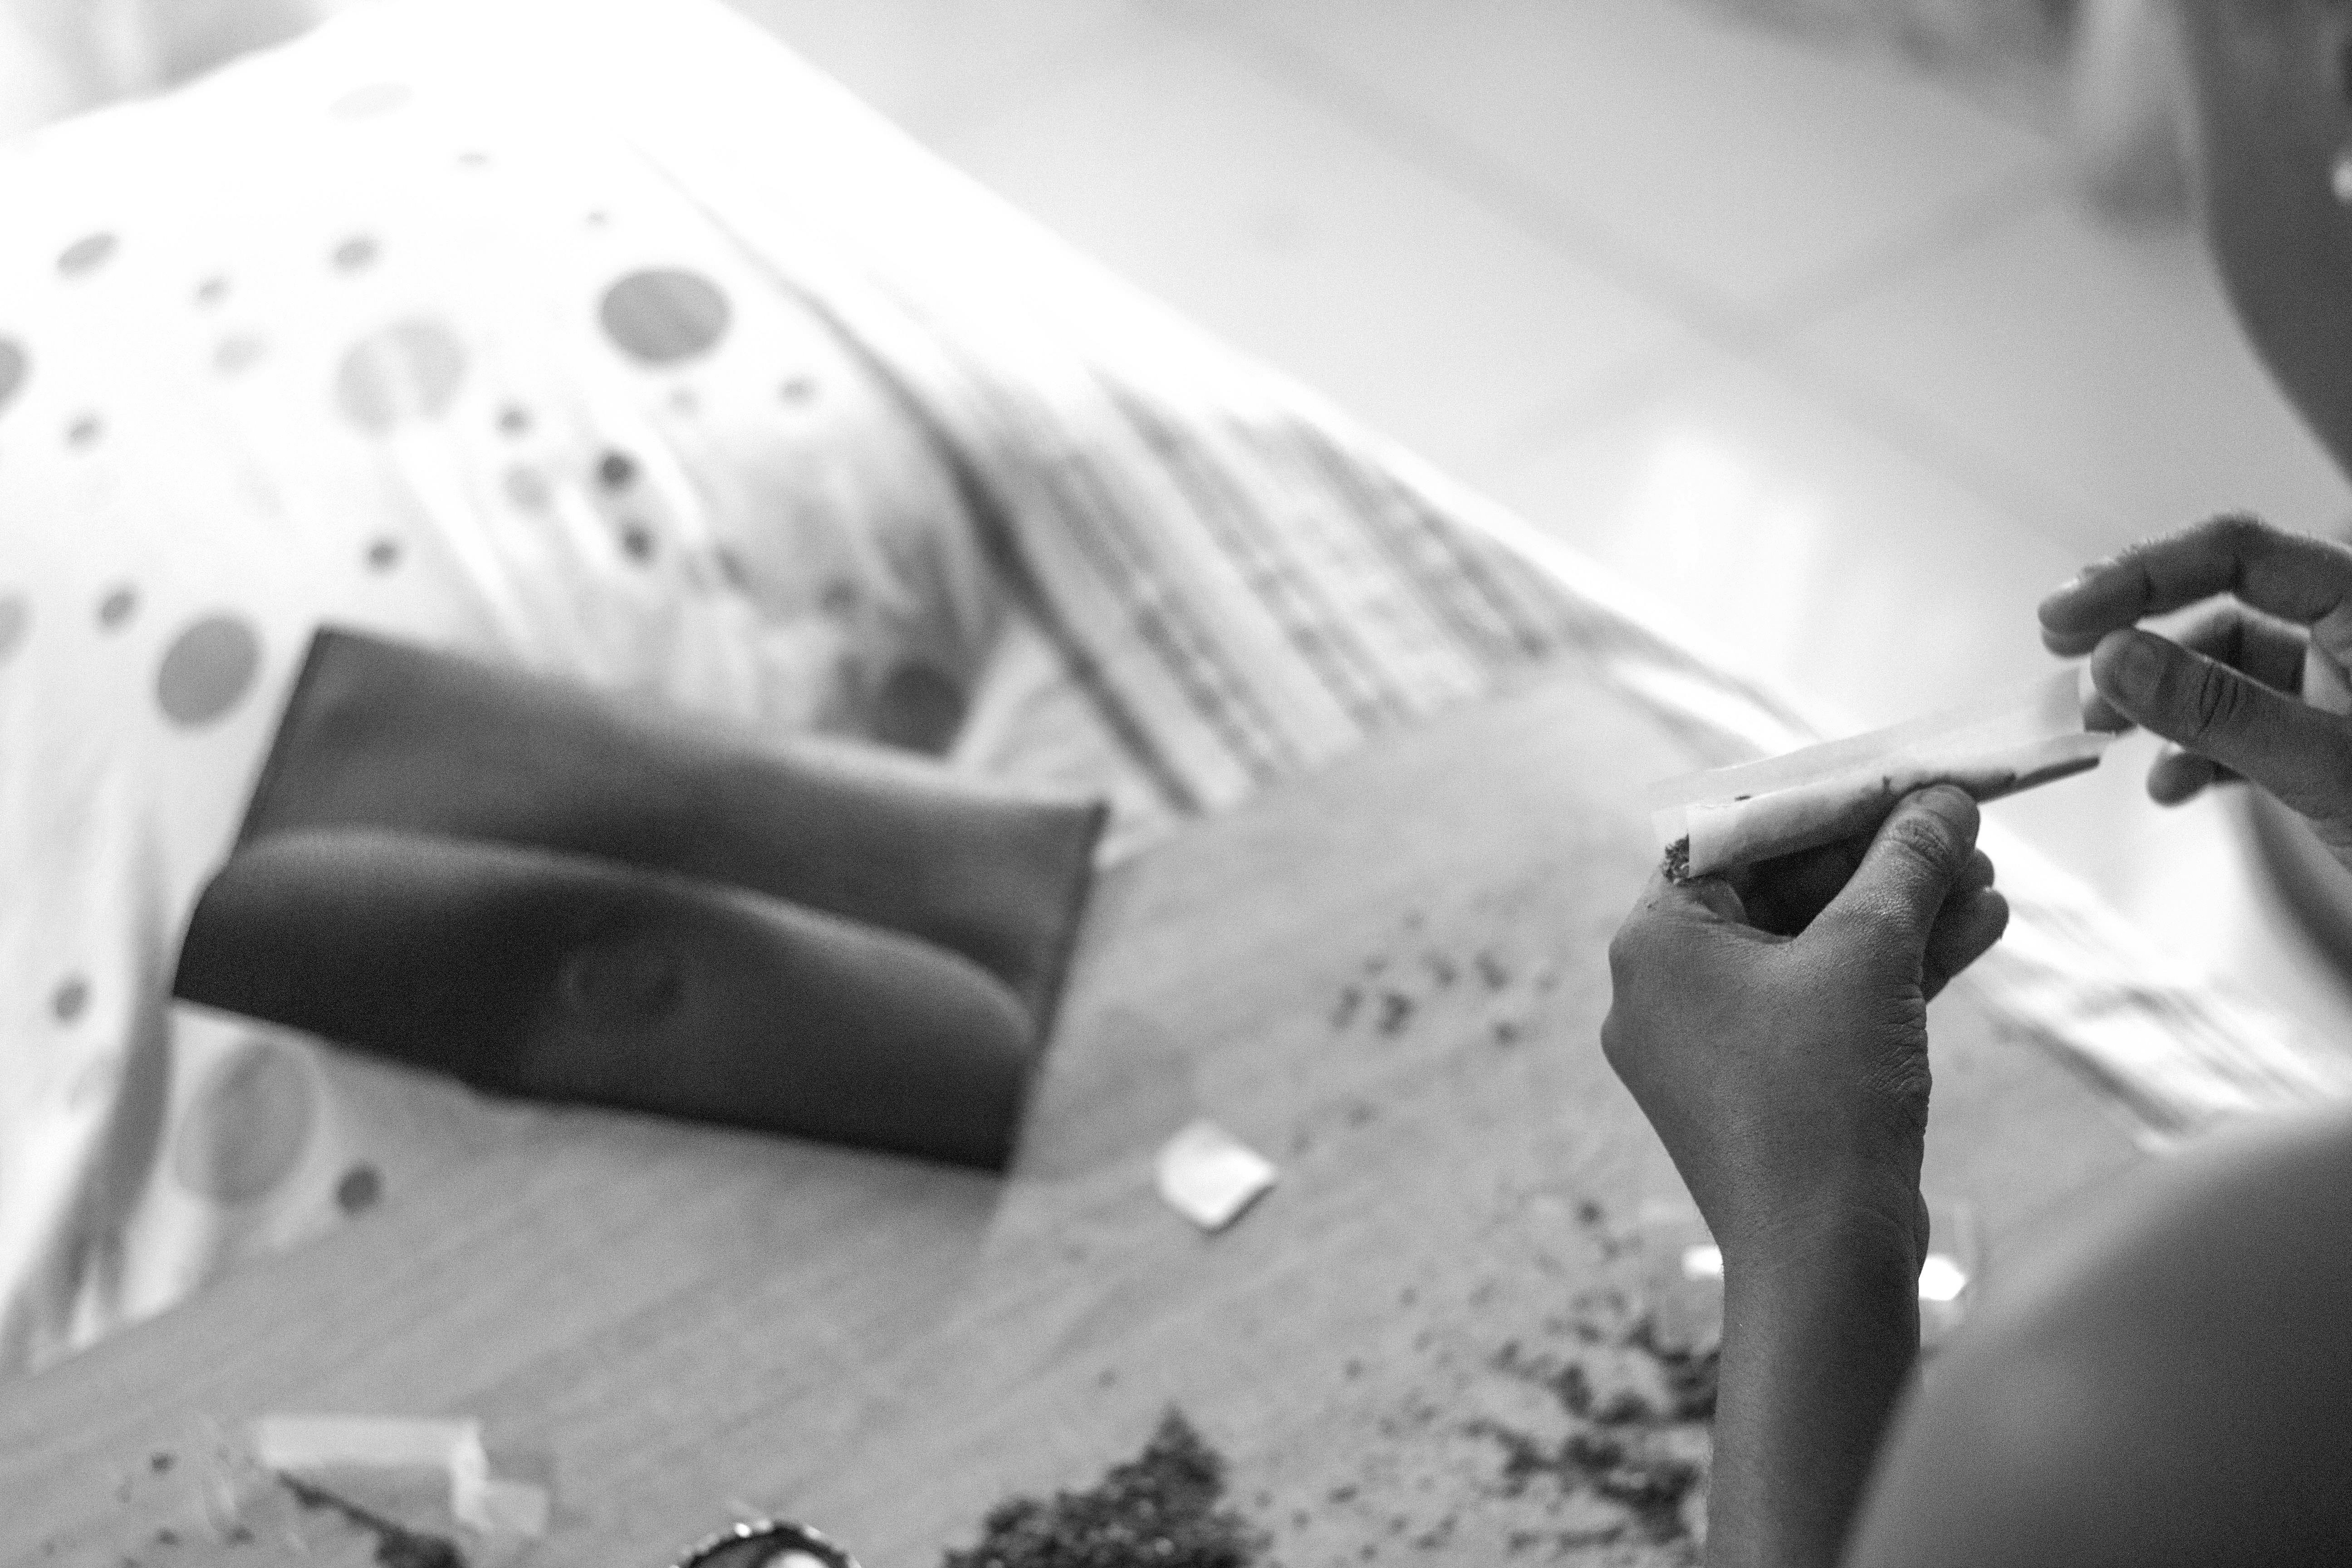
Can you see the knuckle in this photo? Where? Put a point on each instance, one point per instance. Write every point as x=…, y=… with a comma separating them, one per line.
x=1908, y=1092
x=2236, y=532
x=1635, y=955
x=1904, y=1085
x=2215, y=699
x=1625, y=952
x=1994, y=918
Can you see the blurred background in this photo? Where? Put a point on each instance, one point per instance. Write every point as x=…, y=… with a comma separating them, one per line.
x=1845, y=329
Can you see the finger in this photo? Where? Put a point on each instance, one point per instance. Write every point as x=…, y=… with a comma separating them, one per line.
x=1964, y=932
x=2297, y=578
x=1975, y=877
x=2298, y=752
x=2263, y=647
x=1917, y=856
x=1785, y=893
x=2177, y=776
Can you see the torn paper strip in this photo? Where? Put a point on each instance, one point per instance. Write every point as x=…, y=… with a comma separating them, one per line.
x=477, y=1499
x=1209, y=1176
x=1714, y=821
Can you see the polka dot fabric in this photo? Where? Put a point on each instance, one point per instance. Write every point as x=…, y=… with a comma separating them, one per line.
x=302, y=345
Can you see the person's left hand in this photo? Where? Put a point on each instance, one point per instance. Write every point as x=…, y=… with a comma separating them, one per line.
x=1773, y=1026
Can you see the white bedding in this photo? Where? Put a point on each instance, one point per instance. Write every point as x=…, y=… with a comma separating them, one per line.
x=604, y=336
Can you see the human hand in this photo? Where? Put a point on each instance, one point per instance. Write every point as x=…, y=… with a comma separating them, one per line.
x=2225, y=691
x=1773, y=1026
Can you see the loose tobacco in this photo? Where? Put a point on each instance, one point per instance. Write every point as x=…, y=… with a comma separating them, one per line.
x=1159, y=1510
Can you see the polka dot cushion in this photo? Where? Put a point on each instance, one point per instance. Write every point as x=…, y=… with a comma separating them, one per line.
x=300, y=345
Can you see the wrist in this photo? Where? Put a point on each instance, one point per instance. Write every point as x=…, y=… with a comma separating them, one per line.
x=1852, y=1233
x=1821, y=1330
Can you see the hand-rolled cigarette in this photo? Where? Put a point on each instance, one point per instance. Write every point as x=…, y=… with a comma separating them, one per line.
x=1727, y=817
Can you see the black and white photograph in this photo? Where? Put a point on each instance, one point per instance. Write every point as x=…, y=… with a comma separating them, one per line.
x=1175, y=783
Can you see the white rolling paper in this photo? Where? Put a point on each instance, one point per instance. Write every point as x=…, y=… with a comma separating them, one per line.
x=1724, y=818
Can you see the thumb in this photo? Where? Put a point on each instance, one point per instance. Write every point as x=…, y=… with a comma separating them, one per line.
x=1912, y=862
x=2298, y=752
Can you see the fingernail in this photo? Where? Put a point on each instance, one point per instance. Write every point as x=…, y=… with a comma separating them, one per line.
x=2076, y=581
x=1953, y=796
x=2060, y=600
x=2136, y=667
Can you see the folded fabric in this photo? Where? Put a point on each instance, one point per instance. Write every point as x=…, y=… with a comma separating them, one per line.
x=530, y=971
x=550, y=891
x=383, y=734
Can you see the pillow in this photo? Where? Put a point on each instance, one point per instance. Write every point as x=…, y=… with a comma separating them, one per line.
x=298, y=344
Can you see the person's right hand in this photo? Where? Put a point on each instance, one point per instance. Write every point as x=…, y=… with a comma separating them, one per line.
x=1772, y=1023
x=2226, y=693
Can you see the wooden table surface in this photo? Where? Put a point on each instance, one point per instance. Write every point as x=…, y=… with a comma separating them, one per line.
x=1389, y=978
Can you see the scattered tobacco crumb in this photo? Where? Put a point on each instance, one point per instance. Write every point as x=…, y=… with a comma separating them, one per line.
x=1623, y=1448
x=162, y=1461
x=1440, y=969
x=1691, y=1374
x=396, y=1545
x=1396, y=1011
x=1491, y=972
x=1678, y=861
x=1160, y=1509
x=1343, y=1012
x=167, y=1537
x=1506, y=1032
x=1650, y=1487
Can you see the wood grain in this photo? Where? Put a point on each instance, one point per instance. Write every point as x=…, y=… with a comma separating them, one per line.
x=1389, y=978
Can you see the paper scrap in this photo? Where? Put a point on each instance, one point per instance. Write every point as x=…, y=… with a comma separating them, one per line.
x=1941, y=1279
x=1209, y=1176
x=477, y=1499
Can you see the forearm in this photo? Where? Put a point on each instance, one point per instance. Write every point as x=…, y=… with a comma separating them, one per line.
x=1820, y=1332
